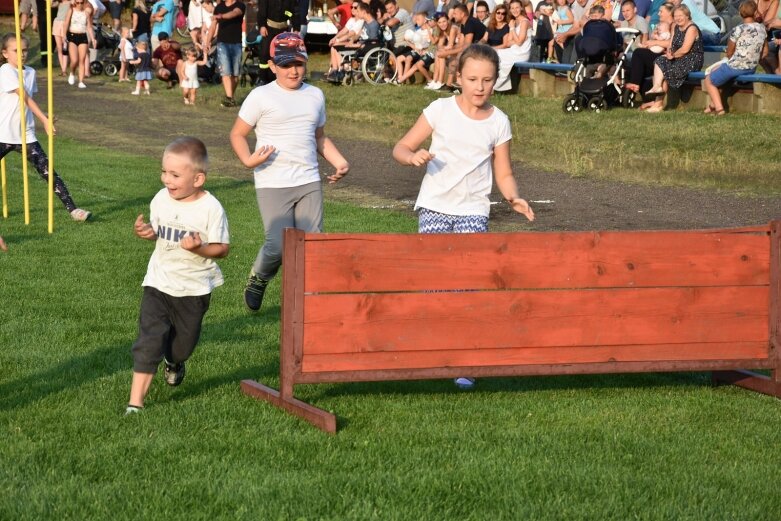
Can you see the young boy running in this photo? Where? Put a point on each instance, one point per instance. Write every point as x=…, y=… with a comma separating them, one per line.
x=288, y=118
x=190, y=230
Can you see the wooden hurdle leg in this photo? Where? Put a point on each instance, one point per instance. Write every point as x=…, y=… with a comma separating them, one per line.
x=321, y=419
x=758, y=382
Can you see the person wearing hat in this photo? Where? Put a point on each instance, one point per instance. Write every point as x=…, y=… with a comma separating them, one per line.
x=288, y=117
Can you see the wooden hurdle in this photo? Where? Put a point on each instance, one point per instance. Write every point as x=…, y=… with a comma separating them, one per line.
x=370, y=307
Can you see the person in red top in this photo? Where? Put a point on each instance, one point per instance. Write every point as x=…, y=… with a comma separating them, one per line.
x=167, y=60
x=343, y=11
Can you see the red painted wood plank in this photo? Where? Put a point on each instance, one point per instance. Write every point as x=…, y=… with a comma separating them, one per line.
x=496, y=319
x=389, y=262
x=533, y=356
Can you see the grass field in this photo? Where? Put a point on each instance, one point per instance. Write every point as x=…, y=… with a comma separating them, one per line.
x=591, y=447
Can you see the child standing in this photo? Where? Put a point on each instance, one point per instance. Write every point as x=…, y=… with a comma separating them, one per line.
x=143, y=63
x=288, y=117
x=190, y=83
x=563, y=19
x=125, y=53
x=10, y=119
x=190, y=230
x=470, y=147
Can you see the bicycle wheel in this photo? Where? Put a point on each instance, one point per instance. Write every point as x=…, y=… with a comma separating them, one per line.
x=379, y=65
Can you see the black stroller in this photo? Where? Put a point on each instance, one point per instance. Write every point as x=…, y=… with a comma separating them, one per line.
x=599, y=73
x=250, y=67
x=107, y=55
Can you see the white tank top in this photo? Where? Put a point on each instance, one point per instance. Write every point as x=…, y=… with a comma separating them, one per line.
x=78, y=22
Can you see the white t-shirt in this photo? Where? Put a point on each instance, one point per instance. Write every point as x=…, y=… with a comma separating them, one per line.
x=459, y=178
x=174, y=270
x=286, y=120
x=10, y=131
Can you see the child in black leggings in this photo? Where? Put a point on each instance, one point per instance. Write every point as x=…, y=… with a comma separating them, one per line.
x=10, y=119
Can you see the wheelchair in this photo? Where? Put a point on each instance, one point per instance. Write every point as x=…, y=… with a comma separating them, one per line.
x=373, y=62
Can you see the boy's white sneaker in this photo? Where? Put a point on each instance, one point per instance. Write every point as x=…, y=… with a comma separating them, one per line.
x=433, y=85
x=71, y=79
x=80, y=215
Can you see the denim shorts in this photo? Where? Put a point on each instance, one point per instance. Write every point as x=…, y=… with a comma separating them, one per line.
x=229, y=58
x=724, y=73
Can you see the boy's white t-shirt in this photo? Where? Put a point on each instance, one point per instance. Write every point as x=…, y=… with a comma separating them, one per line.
x=286, y=120
x=458, y=180
x=172, y=269
x=10, y=132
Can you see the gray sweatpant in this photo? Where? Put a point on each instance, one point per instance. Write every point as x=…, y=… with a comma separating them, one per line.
x=297, y=207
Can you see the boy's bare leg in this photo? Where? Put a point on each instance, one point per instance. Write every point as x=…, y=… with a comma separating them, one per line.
x=139, y=388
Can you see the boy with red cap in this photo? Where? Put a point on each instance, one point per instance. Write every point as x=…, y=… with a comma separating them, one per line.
x=288, y=117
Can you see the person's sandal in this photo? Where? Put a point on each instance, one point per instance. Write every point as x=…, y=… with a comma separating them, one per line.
x=710, y=109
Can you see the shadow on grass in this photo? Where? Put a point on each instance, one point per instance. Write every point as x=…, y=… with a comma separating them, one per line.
x=516, y=384
x=69, y=374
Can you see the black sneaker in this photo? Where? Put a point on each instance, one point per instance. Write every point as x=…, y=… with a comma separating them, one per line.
x=228, y=102
x=254, y=291
x=173, y=373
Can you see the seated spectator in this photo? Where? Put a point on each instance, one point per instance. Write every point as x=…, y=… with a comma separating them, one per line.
x=632, y=21
x=709, y=31
x=746, y=44
x=643, y=58
x=518, y=45
x=685, y=55
x=399, y=21
x=340, y=14
x=472, y=31
x=598, y=38
x=347, y=37
x=544, y=31
x=167, y=60
x=771, y=62
x=483, y=12
x=418, y=41
x=566, y=40
x=444, y=37
x=498, y=27
x=563, y=19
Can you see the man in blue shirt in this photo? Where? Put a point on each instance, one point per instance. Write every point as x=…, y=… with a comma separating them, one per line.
x=162, y=15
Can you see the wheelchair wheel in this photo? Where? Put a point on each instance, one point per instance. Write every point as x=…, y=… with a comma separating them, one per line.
x=572, y=104
x=378, y=65
x=96, y=68
x=110, y=69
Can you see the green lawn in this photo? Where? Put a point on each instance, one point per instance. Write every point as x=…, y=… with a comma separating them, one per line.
x=591, y=447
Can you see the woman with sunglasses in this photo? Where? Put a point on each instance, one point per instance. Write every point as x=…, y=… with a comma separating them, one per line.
x=498, y=28
x=518, y=45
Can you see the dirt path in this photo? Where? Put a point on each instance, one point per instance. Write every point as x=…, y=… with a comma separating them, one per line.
x=103, y=115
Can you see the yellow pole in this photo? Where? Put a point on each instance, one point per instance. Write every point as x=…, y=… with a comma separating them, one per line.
x=5, y=194
x=22, y=111
x=50, y=93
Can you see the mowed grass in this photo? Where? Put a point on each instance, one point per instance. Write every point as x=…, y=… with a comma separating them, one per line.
x=591, y=447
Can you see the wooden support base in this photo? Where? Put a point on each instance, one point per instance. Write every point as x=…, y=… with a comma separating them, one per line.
x=321, y=419
x=749, y=380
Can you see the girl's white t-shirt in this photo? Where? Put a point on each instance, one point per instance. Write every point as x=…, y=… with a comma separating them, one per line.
x=458, y=180
x=10, y=131
x=286, y=120
x=172, y=269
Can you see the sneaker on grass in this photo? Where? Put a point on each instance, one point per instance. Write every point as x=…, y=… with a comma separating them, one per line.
x=81, y=215
x=254, y=291
x=464, y=383
x=133, y=409
x=173, y=373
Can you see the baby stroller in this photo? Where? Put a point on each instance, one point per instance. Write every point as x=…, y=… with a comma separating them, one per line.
x=250, y=67
x=599, y=73
x=107, y=51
